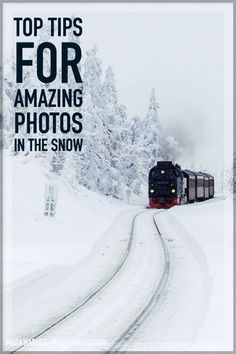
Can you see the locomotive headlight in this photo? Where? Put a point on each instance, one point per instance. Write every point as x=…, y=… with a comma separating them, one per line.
x=162, y=172
x=151, y=190
x=173, y=190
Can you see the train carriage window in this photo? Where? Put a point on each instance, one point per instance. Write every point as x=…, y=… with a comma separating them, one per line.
x=200, y=181
x=191, y=182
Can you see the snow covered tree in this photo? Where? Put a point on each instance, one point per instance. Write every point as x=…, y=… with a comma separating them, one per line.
x=228, y=177
x=136, y=128
x=152, y=138
x=135, y=155
x=93, y=161
x=114, y=124
x=117, y=153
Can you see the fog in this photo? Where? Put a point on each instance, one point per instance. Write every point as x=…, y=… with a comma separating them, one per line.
x=181, y=54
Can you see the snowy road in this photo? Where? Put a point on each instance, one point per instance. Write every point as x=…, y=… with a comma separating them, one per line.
x=101, y=321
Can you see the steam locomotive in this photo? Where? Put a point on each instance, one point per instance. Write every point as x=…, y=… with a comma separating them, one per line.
x=169, y=185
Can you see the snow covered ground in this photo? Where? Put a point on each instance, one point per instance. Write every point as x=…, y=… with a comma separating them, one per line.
x=196, y=311
x=52, y=264
x=33, y=241
x=101, y=321
x=44, y=256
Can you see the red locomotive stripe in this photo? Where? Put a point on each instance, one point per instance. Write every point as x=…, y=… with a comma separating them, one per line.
x=164, y=205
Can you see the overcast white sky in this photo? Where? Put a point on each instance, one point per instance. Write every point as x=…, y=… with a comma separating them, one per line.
x=181, y=50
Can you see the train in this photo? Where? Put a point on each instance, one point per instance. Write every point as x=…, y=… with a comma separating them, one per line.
x=169, y=185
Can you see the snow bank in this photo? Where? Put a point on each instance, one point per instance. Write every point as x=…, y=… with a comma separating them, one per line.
x=34, y=242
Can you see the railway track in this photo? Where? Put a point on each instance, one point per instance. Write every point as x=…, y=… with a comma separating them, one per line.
x=89, y=296
x=131, y=329
x=128, y=333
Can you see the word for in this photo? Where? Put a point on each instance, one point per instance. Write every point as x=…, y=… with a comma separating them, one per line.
x=66, y=61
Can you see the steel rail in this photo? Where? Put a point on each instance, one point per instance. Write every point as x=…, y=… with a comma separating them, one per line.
x=128, y=333
x=90, y=295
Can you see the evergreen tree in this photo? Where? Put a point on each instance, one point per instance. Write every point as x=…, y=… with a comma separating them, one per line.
x=93, y=161
x=113, y=125
x=152, y=138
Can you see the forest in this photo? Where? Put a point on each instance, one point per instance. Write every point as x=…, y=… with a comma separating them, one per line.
x=117, y=150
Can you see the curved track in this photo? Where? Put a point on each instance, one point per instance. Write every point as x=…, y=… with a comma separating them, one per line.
x=127, y=334
x=93, y=293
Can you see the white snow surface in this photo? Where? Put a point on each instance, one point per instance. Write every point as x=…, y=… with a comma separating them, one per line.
x=196, y=312
x=51, y=264
x=36, y=242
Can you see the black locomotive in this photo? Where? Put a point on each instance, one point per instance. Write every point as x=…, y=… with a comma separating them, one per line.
x=169, y=186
